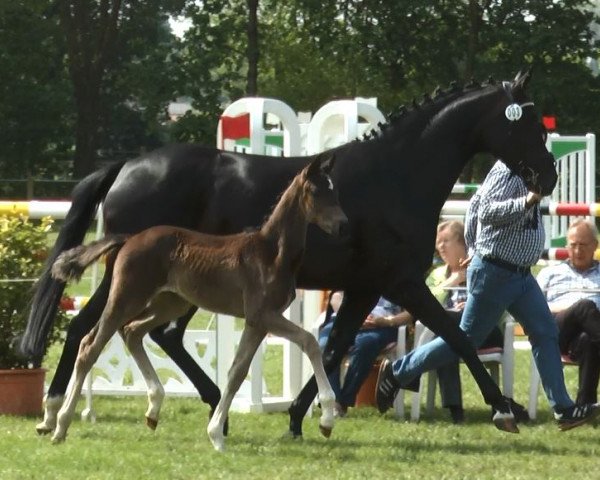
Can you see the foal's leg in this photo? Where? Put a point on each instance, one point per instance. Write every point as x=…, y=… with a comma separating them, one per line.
x=169, y=337
x=164, y=307
x=278, y=325
x=354, y=309
x=249, y=342
x=78, y=328
x=89, y=350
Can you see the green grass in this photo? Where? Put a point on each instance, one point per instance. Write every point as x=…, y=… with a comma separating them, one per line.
x=363, y=445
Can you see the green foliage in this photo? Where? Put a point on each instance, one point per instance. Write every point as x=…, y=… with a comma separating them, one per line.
x=36, y=107
x=22, y=253
x=112, y=90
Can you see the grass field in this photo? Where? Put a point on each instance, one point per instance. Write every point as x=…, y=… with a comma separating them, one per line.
x=363, y=445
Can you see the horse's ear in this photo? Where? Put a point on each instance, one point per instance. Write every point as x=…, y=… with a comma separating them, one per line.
x=522, y=79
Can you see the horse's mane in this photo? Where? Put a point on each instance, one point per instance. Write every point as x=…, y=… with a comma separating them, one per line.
x=413, y=118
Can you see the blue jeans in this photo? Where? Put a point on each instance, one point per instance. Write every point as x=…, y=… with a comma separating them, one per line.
x=492, y=290
x=367, y=346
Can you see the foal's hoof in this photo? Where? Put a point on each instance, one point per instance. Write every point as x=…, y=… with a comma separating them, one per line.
x=43, y=429
x=325, y=431
x=506, y=424
x=151, y=423
x=225, y=425
x=57, y=439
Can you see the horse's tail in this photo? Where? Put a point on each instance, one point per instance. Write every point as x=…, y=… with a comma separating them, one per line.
x=86, y=197
x=71, y=264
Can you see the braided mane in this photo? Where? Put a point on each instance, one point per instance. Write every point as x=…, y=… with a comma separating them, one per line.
x=438, y=99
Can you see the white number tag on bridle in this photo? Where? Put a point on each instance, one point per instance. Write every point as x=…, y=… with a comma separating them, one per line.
x=513, y=112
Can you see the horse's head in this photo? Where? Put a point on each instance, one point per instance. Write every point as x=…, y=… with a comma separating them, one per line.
x=516, y=136
x=321, y=196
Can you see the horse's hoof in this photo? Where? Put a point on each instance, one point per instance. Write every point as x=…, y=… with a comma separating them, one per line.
x=293, y=436
x=42, y=429
x=506, y=424
x=325, y=431
x=151, y=423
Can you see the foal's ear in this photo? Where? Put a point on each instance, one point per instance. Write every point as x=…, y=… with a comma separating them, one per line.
x=323, y=164
x=522, y=79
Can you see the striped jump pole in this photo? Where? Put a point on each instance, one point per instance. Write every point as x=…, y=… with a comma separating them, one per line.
x=35, y=208
x=59, y=209
x=571, y=209
x=562, y=253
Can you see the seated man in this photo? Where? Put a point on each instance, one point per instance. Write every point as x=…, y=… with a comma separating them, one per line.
x=379, y=329
x=577, y=311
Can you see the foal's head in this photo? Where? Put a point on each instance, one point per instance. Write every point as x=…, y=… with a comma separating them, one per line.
x=320, y=196
x=515, y=135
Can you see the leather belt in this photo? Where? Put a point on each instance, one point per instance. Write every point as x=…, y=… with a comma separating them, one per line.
x=506, y=265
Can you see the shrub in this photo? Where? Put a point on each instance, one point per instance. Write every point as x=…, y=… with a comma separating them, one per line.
x=23, y=248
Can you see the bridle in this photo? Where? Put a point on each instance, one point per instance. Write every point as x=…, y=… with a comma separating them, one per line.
x=513, y=113
x=514, y=110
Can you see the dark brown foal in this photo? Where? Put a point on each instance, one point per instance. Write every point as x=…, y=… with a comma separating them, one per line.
x=161, y=271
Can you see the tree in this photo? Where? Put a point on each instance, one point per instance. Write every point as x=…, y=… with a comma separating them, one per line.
x=35, y=111
x=99, y=37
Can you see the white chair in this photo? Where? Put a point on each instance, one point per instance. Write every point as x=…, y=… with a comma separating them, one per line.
x=492, y=358
x=535, y=382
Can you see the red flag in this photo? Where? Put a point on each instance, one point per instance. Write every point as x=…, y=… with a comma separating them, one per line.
x=549, y=122
x=235, y=127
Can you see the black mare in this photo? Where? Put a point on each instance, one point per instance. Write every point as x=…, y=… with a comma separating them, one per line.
x=392, y=187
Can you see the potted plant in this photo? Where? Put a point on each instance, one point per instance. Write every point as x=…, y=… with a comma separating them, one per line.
x=23, y=246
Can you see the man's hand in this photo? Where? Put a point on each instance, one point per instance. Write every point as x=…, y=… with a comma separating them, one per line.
x=464, y=262
x=532, y=198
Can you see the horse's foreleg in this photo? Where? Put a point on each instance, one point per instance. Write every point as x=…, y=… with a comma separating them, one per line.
x=421, y=303
x=354, y=309
x=78, y=328
x=282, y=327
x=249, y=342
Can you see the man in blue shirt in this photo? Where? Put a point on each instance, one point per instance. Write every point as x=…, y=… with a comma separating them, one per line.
x=508, y=239
x=572, y=289
x=379, y=329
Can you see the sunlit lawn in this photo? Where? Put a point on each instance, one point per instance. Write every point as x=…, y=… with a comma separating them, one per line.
x=363, y=445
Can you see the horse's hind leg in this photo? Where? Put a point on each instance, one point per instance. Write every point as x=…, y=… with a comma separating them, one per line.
x=170, y=339
x=78, y=328
x=249, y=342
x=163, y=308
x=280, y=326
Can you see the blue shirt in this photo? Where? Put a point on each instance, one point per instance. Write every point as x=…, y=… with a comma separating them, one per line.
x=558, y=282
x=504, y=227
x=384, y=308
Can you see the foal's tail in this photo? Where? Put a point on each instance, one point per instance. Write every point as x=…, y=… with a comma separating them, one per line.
x=71, y=264
x=86, y=197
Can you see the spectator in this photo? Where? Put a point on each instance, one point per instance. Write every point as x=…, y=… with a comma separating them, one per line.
x=576, y=311
x=379, y=329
